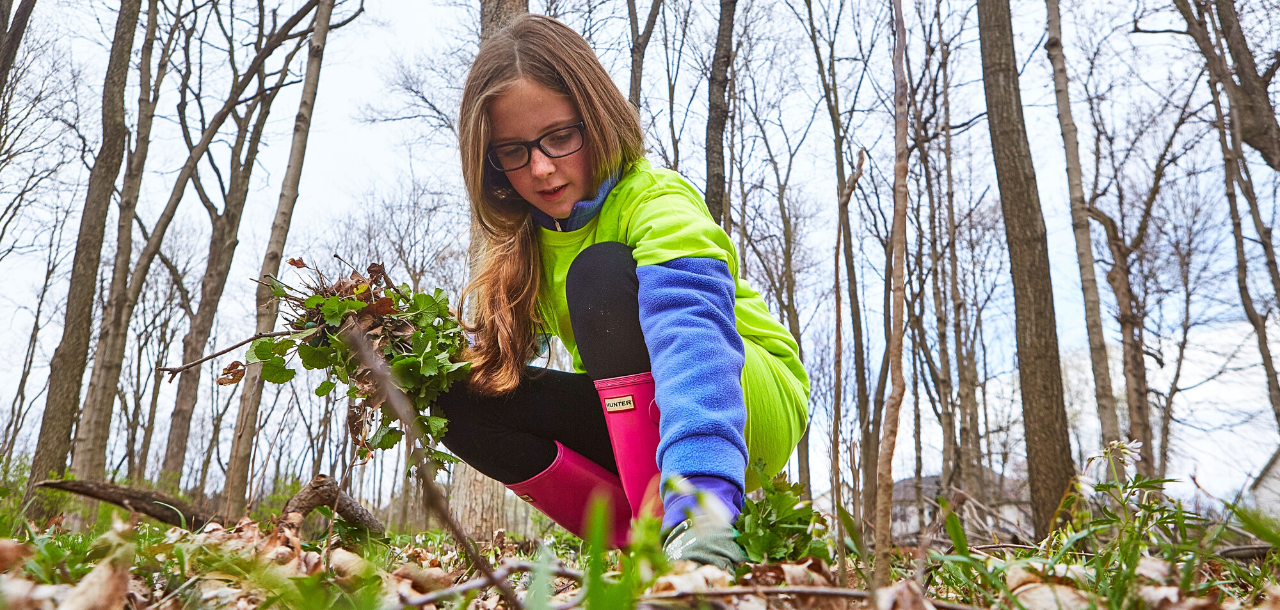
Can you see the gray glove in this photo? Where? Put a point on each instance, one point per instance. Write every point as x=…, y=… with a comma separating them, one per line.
x=704, y=540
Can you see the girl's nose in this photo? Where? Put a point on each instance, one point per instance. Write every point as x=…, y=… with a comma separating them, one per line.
x=540, y=164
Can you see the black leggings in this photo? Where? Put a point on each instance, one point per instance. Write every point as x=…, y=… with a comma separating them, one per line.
x=512, y=437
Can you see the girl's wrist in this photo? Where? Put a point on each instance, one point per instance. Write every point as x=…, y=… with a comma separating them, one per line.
x=680, y=506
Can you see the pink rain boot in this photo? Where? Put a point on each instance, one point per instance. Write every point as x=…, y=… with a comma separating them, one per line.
x=563, y=492
x=632, y=418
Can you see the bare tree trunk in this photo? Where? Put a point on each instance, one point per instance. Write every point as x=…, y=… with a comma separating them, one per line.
x=966, y=354
x=1135, y=368
x=250, y=126
x=1250, y=98
x=837, y=401
x=718, y=111
x=93, y=434
x=478, y=502
x=11, y=33
x=1049, y=467
x=66, y=369
x=213, y=444
x=1259, y=323
x=845, y=185
x=496, y=14
x=148, y=431
x=1131, y=312
x=639, y=43
x=247, y=416
x=898, y=249
x=1103, y=394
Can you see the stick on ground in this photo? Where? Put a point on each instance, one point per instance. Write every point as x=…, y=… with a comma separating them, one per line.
x=173, y=511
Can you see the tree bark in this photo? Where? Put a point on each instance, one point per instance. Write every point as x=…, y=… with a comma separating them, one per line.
x=478, y=500
x=837, y=401
x=225, y=225
x=898, y=249
x=92, y=436
x=246, y=430
x=718, y=112
x=1251, y=107
x=1103, y=394
x=11, y=33
x=1259, y=323
x=66, y=369
x=496, y=14
x=320, y=491
x=639, y=44
x=1049, y=466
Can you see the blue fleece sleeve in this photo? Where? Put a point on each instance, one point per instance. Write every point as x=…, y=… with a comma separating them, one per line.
x=686, y=313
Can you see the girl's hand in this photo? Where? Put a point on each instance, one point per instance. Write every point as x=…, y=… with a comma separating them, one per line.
x=704, y=539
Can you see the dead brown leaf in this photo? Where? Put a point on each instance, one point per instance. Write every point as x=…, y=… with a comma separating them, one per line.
x=106, y=586
x=904, y=595
x=22, y=594
x=12, y=553
x=381, y=307
x=687, y=576
x=1044, y=596
x=232, y=374
x=1157, y=570
x=297, y=262
x=424, y=580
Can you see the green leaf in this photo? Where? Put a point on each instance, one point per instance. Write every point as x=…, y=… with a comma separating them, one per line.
x=386, y=437
x=326, y=386
x=436, y=425
x=303, y=335
x=335, y=308
x=283, y=347
x=405, y=372
x=422, y=342
x=275, y=371
x=1260, y=525
x=259, y=350
x=277, y=288
x=443, y=458
x=429, y=366
x=956, y=531
x=314, y=357
x=313, y=301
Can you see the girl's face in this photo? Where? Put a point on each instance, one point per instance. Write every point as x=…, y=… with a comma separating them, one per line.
x=523, y=113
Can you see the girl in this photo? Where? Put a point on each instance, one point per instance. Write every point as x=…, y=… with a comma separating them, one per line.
x=680, y=368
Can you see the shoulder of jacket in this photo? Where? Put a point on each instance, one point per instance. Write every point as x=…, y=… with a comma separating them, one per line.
x=643, y=182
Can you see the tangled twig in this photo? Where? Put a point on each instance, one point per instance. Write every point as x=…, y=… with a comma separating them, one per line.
x=774, y=591
x=436, y=504
x=174, y=370
x=505, y=570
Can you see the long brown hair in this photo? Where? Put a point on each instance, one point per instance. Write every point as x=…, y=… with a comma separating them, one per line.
x=509, y=276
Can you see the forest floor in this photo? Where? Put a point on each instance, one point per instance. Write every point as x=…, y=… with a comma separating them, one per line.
x=1122, y=546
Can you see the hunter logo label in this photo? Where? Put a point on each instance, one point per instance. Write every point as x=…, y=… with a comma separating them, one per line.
x=620, y=403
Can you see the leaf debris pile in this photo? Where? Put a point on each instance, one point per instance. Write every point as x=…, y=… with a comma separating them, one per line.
x=419, y=336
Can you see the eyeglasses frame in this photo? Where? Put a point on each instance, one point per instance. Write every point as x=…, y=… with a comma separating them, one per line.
x=530, y=144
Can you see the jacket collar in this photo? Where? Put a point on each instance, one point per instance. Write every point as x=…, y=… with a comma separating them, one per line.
x=583, y=211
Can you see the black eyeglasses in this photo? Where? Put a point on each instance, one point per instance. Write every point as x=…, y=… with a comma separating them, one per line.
x=555, y=144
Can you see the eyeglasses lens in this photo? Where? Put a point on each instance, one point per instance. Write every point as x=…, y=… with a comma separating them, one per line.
x=559, y=143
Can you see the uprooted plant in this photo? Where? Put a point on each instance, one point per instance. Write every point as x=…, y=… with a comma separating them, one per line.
x=417, y=334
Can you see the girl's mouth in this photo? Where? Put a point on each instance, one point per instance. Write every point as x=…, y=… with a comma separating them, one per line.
x=552, y=194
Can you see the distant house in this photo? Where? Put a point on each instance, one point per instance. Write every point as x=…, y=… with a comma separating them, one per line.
x=1266, y=488
x=1005, y=512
